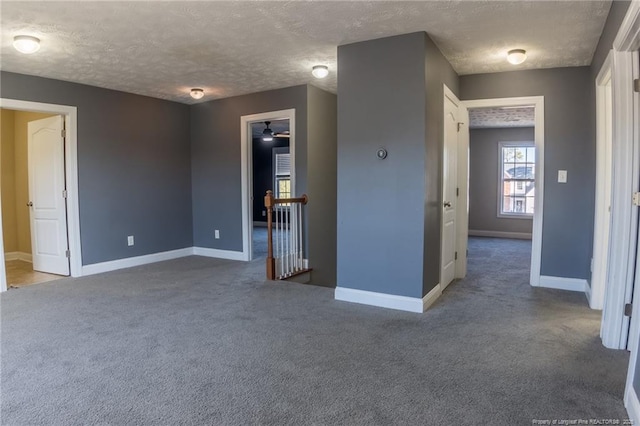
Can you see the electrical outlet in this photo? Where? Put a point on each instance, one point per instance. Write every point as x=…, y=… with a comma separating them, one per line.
x=130, y=240
x=264, y=213
x=217, y=234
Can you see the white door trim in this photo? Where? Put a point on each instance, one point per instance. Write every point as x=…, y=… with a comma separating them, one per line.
x=70, y=115
x=246, y=142
x=625, y=118
x=601, y=226
x=624, y=216
x=538, y=104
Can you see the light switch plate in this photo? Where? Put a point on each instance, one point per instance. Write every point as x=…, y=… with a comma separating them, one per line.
x=217, y=234
x=562, y=176
x=130, y=240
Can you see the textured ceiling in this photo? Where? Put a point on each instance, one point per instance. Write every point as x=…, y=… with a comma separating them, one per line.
x=480, y=118
x=162, y=49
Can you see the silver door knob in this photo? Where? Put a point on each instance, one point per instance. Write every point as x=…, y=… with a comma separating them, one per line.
x=447, y=204
x=30, y=204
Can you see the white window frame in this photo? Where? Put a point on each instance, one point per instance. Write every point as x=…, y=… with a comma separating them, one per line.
x=274, y=152
x=501, y=146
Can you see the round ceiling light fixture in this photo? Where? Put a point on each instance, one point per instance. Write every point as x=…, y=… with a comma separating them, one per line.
x=320, y=71
x=197, y=93
x=26, y=44
x=516, y=56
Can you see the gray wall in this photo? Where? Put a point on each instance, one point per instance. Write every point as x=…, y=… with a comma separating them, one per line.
x=484, y=170
x=438, y=73
x=133, y=166
x=215, y=161
x=387, y=209
x=322, y=144
x=569, y=145
x=616, y=15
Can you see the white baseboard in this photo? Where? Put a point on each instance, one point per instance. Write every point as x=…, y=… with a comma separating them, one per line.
x=431, y=297
x=220, y=254
x=500, y=234
x=18, y=255
x=391, y=301
x=632, y=404
x=98, y=268
x=560, y=283
x=587, y=293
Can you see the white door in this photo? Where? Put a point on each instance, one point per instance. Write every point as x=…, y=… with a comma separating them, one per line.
x=46, y=193
x=449, y=192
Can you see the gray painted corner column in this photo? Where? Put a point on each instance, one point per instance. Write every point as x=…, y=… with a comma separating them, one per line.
x=382, y=104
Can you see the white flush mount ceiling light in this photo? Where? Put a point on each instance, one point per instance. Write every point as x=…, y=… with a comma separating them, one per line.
x=26, y=44
x=197, y=93
x=516, y=56
x=320, y=71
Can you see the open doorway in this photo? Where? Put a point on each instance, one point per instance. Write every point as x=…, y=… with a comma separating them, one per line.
x=34, y=219
x=268, y=163
x=40, y=220
x=271, y=170
x=502, y=176
x=503, y=180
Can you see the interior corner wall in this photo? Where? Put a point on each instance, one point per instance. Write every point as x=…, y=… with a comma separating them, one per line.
x=381, y=203
x=216, y=161
x=569, y=145
x=322, y=145
x=134, y=171
x=438, y=73
x=7, y=181
x=484, y=172
x=21, y=145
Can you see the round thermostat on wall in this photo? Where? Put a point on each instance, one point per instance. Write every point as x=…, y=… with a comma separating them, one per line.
x=381, y=154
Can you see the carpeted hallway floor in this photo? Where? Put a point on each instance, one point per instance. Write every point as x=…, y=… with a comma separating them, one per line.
x=200, y=341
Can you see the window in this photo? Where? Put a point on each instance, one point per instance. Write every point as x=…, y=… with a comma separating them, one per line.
x=517, y=179
x=282, y=172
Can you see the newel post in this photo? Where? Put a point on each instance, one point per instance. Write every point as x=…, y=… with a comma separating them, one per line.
x=271, y=263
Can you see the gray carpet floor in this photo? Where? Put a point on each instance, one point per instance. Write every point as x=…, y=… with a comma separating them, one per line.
x=199, y=341
x=260, y=242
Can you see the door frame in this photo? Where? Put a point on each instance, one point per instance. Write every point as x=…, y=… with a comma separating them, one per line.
x=246, y=153
x=604, y=141
x=626, y=135
x=70, y=115
x=463, y=158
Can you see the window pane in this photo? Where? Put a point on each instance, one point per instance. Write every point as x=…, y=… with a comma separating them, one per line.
x=517, y=185
x=284, y=188
x=531, y=155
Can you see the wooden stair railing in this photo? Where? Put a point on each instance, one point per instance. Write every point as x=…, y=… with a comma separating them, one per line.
x=284, y=216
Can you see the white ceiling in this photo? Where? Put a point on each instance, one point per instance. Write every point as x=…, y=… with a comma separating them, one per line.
x=482, y=118
x=162, y=49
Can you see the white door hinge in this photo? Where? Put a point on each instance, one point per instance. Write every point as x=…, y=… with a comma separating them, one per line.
x=636, y=85
x=460, y=126
x=64, y=193
x=67, y=253
x=63, y=133
x=636, y=198
x=456, y=256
